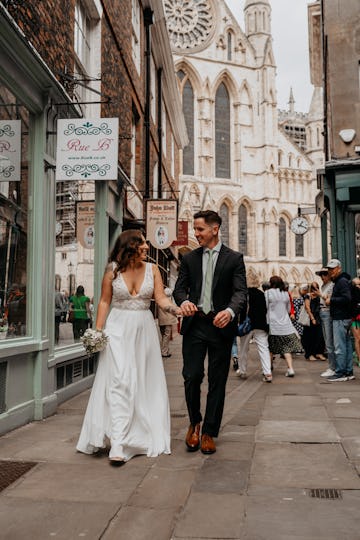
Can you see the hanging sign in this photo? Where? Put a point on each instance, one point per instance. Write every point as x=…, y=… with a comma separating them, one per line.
x=85, y=223
x=10, y=150
x=87, y=149
x=161, y=222
x=182, y=234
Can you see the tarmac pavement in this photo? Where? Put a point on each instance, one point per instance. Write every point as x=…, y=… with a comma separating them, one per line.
x=287, y=467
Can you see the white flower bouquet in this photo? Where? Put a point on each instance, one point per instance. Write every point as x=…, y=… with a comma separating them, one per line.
x=94, y=340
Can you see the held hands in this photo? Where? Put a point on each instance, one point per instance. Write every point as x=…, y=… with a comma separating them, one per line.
x=188, y=309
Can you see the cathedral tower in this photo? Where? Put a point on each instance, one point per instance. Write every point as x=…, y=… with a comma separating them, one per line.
x=257, y=15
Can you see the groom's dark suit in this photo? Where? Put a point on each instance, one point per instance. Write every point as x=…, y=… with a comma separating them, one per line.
x=200, y=336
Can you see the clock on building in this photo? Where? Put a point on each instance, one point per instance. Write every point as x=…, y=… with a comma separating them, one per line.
x=299, y=225
x=190, y=23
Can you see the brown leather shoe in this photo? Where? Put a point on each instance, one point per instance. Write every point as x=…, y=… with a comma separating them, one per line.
x=207, y=444
x=193, y=438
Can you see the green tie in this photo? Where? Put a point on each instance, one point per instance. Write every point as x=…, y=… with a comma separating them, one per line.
x=208, y=283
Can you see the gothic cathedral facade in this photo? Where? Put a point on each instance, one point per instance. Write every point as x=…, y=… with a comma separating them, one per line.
x=239, y=160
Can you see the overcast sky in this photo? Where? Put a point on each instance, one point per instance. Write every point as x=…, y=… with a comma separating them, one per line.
x=290, y=41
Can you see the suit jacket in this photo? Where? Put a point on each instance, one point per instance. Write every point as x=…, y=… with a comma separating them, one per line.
x=228, y=287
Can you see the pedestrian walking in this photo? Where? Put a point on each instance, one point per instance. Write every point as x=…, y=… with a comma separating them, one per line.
x=283, y=339
x=129, y=400
x=211, y=289
x=341, y=314
x=326, y=320
x=312, y=339
x=259, y=330
x=166, y=322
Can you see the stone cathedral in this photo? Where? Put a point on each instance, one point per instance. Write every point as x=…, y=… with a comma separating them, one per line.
x=241, y=160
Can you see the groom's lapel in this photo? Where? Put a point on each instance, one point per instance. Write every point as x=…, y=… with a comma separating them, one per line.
x=222, y=257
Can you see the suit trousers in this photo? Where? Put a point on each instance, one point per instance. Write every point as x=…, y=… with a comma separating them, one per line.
x=202, y=339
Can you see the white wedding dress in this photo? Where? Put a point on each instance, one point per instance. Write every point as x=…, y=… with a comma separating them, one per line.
x=129, y=400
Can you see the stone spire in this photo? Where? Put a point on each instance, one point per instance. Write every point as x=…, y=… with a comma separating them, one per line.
x=291, y=101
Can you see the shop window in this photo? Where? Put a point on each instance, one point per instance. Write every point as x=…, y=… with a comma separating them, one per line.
x=13, y=219
x=74, y=257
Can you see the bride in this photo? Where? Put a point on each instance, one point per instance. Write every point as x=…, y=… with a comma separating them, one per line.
x=129, y=401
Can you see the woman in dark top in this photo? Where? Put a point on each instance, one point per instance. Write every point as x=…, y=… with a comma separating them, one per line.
x=312, y=338
x=259, y=330
x=355, y=306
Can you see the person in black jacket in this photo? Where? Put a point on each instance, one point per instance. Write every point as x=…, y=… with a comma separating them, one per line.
x=341, y=314
x=259, y=330
x=211, y=290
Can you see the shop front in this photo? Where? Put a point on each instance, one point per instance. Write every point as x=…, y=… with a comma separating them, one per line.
x=54, y=238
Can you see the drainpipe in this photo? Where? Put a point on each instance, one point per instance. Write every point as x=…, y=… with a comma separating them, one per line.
x=148, y=21
x=159, y=82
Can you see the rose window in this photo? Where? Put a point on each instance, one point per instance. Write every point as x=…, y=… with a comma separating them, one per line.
x=189, y=22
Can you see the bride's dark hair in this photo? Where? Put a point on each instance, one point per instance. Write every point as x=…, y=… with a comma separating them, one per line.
x=126, y=248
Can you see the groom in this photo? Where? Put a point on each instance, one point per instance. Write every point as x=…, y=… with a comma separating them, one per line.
x=211, y=290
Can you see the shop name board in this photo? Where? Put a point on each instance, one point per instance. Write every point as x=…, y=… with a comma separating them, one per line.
x=87, y=149
x=10, y=150
x=161, y=222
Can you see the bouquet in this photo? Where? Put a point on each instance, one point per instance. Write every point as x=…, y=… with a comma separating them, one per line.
x=94, y=340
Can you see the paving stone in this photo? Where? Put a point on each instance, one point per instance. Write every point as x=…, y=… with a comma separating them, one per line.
x=294, y=408
x=302, y=465
x=236, y=433
x=209, y=515
x=295, y=431
x=292, y=514
x=80, y=483
x=148, y=524
x=163, y=488
x=38, y=519
x=220, y=476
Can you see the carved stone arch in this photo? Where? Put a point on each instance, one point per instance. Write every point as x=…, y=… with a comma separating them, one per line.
x=280, y=158
x=245, y=94
x=228, y=80
x=308, y=275
x=228, y=200
x=295, y=274
x=274, y=216
x=283, y=273
x=286, y=215
x=247, y=203
x=224, y=212
x=191, y=74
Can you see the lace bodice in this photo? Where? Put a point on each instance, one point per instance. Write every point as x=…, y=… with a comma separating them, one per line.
x=122, y=299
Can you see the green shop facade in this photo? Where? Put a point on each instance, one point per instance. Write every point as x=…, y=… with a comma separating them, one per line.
x=41, y=363
x=341, y=188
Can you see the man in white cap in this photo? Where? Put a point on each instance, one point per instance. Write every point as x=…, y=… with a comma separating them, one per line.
x=326, y=320
x=340, y=312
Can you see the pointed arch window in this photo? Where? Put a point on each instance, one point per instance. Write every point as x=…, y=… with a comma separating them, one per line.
x=282, y=237
x=229, y=46
x=222, y=133
x=188, y=110
x=243, y=231
x=224, y=214
x=299, y=245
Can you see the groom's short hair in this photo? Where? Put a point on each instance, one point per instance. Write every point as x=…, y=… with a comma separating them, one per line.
x=209, y=216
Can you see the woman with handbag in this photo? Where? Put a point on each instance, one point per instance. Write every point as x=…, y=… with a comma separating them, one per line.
x=312, y=338
x=259, y=330
x=283, y=339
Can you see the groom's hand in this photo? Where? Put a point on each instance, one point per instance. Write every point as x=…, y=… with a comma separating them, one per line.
x=188, y=309
x=222, y=318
